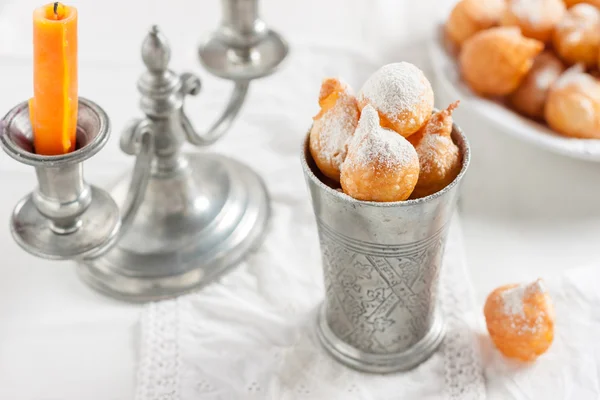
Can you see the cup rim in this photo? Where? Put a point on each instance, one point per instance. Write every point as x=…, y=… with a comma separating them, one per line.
x=36, y=160
x=463, y=145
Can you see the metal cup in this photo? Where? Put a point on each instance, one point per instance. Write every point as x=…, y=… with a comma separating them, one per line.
x=381, y=264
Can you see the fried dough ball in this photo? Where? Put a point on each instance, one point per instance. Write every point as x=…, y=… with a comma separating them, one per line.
x=520, y=320
x=530, y=97
x=471, y=16
x=402, y=96
x=495, y=61
x=536, y=18
x=381, y=165
x=576, y=38
x=333, y=126
x=571, y=3
x=573, y=104
x=439, y=158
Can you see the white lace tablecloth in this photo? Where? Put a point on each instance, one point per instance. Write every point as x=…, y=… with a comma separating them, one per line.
x=252, y=335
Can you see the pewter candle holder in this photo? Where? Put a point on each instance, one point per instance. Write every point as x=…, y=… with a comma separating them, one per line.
x=184, y=219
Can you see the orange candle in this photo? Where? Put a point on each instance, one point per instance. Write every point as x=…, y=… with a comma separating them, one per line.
x=53, y=108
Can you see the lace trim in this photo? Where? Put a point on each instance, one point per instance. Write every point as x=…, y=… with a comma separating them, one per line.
x=463, y=374
x=158, y=371
x=279, y=357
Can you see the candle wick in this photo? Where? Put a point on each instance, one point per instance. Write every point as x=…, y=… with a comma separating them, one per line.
x=56, y=8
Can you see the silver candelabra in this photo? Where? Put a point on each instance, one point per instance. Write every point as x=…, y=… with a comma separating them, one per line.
x=184, y=218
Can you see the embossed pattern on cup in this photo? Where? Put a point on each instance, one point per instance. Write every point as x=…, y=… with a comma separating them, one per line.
x=381, y=265
x=380, y=299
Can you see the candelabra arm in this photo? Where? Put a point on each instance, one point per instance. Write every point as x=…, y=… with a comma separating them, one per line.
x=190, y=86
x=137, y=139
x=142, y=140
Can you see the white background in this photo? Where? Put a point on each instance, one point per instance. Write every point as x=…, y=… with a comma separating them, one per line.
x=526, y=213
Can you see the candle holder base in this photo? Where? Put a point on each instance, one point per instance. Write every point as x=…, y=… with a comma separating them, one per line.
x=97, y=228
x=193, y=225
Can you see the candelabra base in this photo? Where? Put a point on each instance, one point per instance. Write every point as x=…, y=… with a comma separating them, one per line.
x=195, y=223
x=98, y=228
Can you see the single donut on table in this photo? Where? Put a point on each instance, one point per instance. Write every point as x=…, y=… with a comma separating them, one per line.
x=520, y=320
x=471, y=16
x=333, y=126
x=380, y=165
x=402, y=96
x=573, y=104
x=576, y=38
x=536, y=19
x=530, y=97
x=440, y=160
x=495, y=61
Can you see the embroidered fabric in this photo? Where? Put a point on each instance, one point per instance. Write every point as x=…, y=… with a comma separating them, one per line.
x=252, y=335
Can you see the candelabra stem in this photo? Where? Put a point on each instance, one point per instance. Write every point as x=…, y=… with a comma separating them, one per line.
x=243, y=47
x=62, y=196
x=241, y=25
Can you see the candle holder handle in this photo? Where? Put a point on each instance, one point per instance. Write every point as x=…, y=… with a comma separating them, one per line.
x=138, y=140
x=223, y=123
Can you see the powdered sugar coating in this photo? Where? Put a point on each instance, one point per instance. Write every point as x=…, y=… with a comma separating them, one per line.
x=575, y=76
x=574, y=79
x=377, y=146
x=573, y=105
x=489, y=4
x=530, y=97
x=401, y=93
x=547, y=68
x=581, y=20
x=332, y=129
x=437, y=155
x=381, y=165
x=545, y=78
x=337, y=125
x=527, y=10
x=587, y=107
x=537, y=13
x=580, y=16
x=484, y=9
x=587, y=11
x=514, y=300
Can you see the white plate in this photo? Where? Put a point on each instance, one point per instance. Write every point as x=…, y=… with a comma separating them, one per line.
x=447, y=73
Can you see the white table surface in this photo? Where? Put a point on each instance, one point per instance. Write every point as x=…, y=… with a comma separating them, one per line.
x=526, y=213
